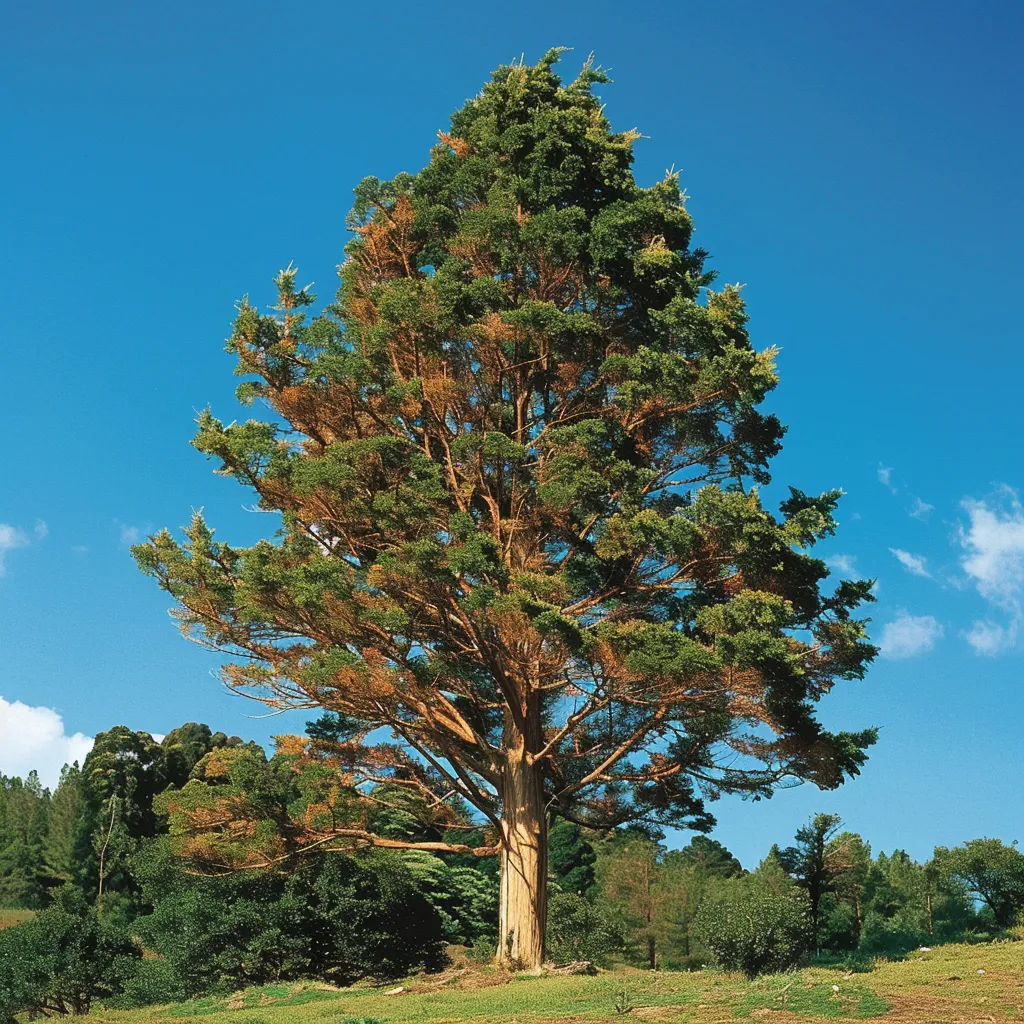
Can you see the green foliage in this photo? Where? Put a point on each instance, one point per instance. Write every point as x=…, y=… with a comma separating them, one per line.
x=119, y=779
x=337, y=919
x=571, y=858
x=65, y=821
x=581, y=930
x=466, y=900
x=751, y=927
x=816, y=863
x=185, y=746
x=527, y=433
x=62, y=959
x=992, y=871
x=24, y=813
x=709, y=857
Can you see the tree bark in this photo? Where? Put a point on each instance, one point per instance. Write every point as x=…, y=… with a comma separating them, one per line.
x=524, y=865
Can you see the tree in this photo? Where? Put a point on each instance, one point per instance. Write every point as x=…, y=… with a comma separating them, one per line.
x=710, y=857
x=516, y=466
x=851, y=861
x=64, y=822
x=992, y=871
x=571, y=858
x=683, y=886
x=630, y=877
x=816, y=863
x=120, y=777
x=24, y=809
x=337, y=919
x=185, y=746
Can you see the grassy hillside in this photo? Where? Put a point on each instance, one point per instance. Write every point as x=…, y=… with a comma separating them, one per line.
x=9, y=918
x=948, y=984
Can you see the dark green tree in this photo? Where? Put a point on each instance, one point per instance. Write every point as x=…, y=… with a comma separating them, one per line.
x=992, y=871
x=24, y=811
x=571, y=857
x=120, y=777
x=185, y=746
x=710, y=857
x=336, y=919
x=516, y=468
x=816, y=863
x=65, y=821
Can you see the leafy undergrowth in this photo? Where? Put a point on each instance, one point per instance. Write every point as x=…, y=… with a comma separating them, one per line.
x=947, y=985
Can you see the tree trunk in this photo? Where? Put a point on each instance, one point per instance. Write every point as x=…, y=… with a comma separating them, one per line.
x=524, y=866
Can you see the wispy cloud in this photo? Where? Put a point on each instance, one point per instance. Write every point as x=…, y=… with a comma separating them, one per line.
x=34, y=739
x=11, y=538
x=921, y=509
x=842, y=563
x=989, y=638
x=885, y=477
x=128, y=534
x=909, y=635
x=993, y=544
x=914, y=564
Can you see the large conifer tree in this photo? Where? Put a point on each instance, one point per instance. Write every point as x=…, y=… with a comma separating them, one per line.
x=523, y=557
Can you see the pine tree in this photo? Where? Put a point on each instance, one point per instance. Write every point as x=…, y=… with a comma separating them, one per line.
x=517, y=467
x=24, y=807
x=66, y=818
x=817, y=863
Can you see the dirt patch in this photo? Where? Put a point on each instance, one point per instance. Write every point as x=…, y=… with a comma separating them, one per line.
x=937, y=1009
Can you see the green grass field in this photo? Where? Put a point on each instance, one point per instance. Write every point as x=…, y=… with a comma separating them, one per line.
x=951, y=984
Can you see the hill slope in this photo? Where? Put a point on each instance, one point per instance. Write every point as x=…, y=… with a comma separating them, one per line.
x=952, y=984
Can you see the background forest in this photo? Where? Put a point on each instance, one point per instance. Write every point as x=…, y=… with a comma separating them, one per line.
x=100, y=906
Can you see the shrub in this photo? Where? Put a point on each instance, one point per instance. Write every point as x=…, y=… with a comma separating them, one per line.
x=754, y=928
x=152, y=981
x=579, y=930
x=62, y=959
x=336, y=919
x=465, y=899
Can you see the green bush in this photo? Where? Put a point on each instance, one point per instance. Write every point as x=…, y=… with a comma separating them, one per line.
x=62, y=959
x=754, y=928
x=336, y=919
x=579, y=930
x=152, y=981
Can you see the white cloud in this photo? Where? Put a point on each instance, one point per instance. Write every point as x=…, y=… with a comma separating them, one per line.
x=10, y=539
x=912, y=563
x=989, y=638
x=842, y=563
x=921, y=509
x=33, y=738
x=129, y=534
x=994, y=560
x=885, y=477
x=909, y=635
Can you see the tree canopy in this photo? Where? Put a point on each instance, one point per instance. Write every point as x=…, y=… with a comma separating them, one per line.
x=523, y=555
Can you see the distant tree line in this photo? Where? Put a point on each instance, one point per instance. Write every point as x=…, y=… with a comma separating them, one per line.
x=113, y=865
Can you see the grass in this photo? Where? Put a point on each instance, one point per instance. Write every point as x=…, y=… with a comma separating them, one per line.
x=942, y=986
x=9, y=918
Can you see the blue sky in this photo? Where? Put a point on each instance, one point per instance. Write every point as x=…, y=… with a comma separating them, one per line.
x=858, y=166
